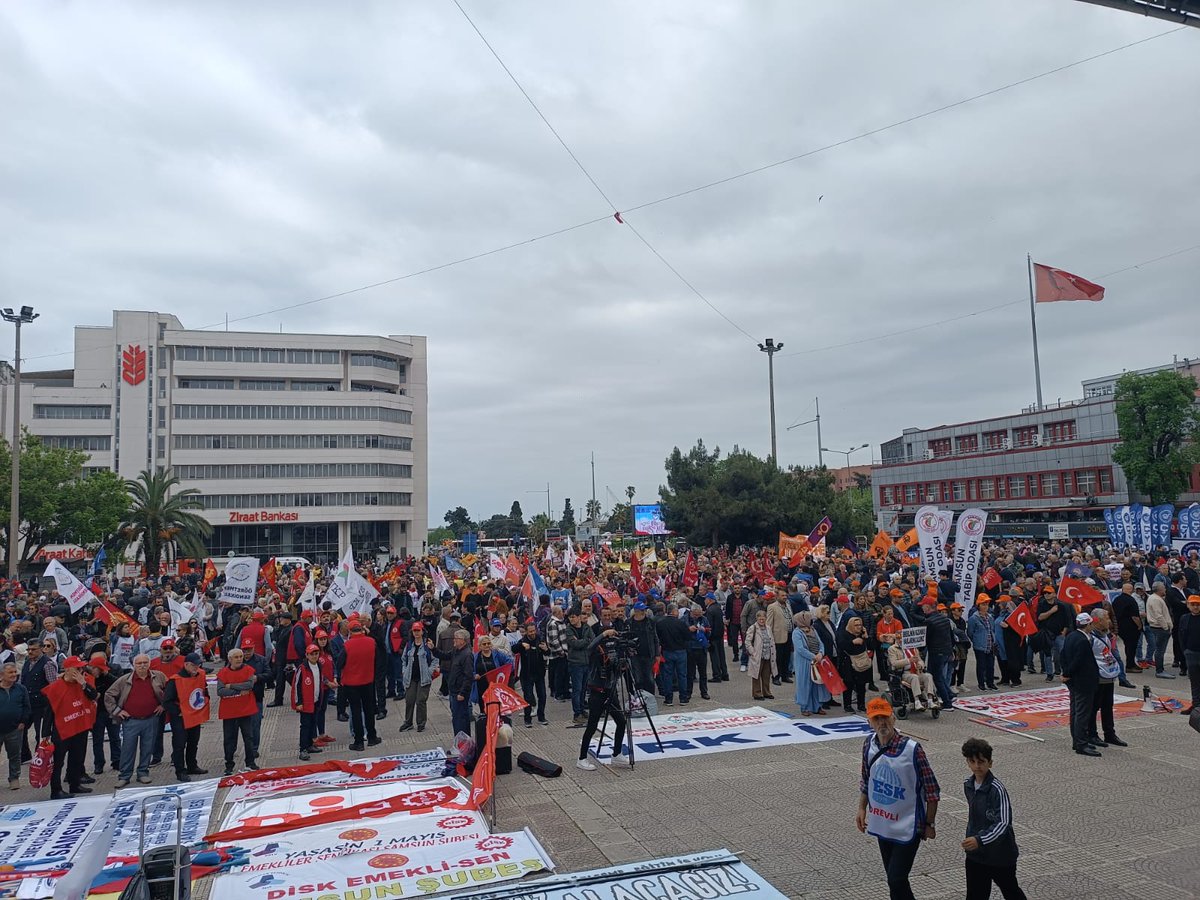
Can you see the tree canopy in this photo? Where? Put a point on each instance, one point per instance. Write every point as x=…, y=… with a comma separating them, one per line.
x=160, y=518
x=1158, y=421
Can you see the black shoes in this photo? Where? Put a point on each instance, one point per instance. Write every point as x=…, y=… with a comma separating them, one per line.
x=356, y=747
x=382, y=714
x=407, y=726
x=196, y=770
x=375, y=741
x=183, y=776
x=1115, y=741
x=1096, y=742
x=1089, y=750
x=273, y=704
x=342, y=717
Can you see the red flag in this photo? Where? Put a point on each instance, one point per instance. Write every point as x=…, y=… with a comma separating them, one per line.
x=210, y=574
x=635, y=572
x=510, y=701
x=691, y=574
x=1083, y=595
x=990, y=578
x=1053, y=285
x=269, y=573
x=1021, y=620
x=830, y=676
x=500, y=674
x=109, y=614
x=512, y=573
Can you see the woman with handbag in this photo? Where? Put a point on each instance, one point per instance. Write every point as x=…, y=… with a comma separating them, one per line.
x=761, y=660
x=811, y=693
x=854, y=664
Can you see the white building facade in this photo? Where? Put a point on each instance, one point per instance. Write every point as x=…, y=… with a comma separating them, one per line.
x=300, y=444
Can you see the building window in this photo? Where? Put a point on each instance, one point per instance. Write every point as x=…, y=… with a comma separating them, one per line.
x=987, y=489
x=375, y=359
x=301, y=385
x=270, y=355
x=1033, y=485
x=262, y=384
x=1050, y=484
x=162, y=416
x=967, y=443
x=293, y=500
x=291, y=442
x=1001, y=489
x=71, y=411
x=289, y=412
x=1058, y=432
x=945, y=491
x=1016, y=487
x=885, y=496
x=218, y=354
x=972, y=490
x=245, y=354
x=189, y=354
x=89, y=442
x=1025, y=436
x=1085, y=482
x=910, y=493
x=223, y=471
x=1106, y=481
x=959, y=490
x=206, y=384
x=940, y=447
x=994, y=440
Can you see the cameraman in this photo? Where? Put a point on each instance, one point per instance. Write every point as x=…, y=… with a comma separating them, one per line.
x=648, y=648
x=602, y=654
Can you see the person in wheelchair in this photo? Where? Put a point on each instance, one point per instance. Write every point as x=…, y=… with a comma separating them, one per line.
x=906, y=673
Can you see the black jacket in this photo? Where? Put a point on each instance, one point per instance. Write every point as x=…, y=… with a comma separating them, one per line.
x=1079, y=663
x=939, y=633
x=673, y=633
x=14, y=707
x=647, y=638
x=460, y=673
x=989, y=819
x=716, y=623
x=533, y=660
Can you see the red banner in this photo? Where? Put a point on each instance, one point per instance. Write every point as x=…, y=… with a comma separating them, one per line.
x=691, y=574
x=1021, y=620
x=510, y=701
x=990, y=578
x=358, y=769
x=831, y=676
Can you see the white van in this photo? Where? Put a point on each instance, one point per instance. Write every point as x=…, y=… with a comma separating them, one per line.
x=293, y=561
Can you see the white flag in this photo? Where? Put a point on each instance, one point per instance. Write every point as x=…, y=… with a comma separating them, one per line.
x=650, y=557
x=75, y=591
x=968, y=545
x=341, y=588
x=308, y=596
x=549, y=556
x=569, y=555
x=180, y=612
x=440, y=583
x=497, y=568
x=241, y=580
x=363, y=592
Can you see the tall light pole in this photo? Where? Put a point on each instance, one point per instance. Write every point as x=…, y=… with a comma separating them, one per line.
x=770, y=348
x=24, y=317
x=547, y=493
x=820, y=449
x=846, y=453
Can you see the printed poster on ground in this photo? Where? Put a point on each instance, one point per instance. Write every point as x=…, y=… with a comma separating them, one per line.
x=50, y=831
x=418, y=872
x=1041, y=708
x=722, y=730
x=423, y=764
x=161, y=811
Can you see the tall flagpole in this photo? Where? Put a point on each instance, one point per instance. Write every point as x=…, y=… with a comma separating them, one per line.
x=1037, y=366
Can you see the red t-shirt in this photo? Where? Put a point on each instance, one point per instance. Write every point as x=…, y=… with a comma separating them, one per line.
x=73, y=712
x=359, y=668
x=141, y=702
x=257, y=632
x=169, y=669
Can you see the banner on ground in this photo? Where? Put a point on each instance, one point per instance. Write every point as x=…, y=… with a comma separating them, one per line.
x=722, y=730
x=1041, y=708
x=38, y=835
x=415, y=872
x=161, y=810
x=711, y=875
x=388, y=835
x=424, y=764
x=241, y=580
x=968, y=547
x=933, y=527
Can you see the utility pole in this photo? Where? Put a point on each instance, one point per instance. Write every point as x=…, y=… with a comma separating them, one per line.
x=770, y=348
x=594, y=482
x=820, y=449
x=24, y=317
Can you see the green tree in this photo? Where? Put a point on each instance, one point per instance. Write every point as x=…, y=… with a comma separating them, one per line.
x=459, y=521
x=537, y=527
x=161, y=520
x=517, y=519
x=741, y=498
x=852, y=513
x=593, y=511
x=1158, y=421
x=59, y=505
x=620, y=519
x=438, y=535
x=567, y=522
x=497, y=526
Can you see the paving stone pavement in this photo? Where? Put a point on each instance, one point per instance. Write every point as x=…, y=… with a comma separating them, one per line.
x=1123, y=826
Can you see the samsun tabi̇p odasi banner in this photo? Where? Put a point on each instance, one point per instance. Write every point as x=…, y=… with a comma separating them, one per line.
x=968, y=546
x=933, y=527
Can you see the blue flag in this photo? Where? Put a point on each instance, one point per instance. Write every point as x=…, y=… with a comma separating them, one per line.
x=539, y=584
x=1160, y=524
x=851, y=545
x=453, y=565
x=1110, y=522
x=1077, y=570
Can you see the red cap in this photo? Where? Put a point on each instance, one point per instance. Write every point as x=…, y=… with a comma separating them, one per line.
x=307, y=614
x=99, y=661
x=168, y=643
x=73, y=662
x=321, y=633
x=417, y=626
x=259, y=615
x=311, y=647
x=247, y=643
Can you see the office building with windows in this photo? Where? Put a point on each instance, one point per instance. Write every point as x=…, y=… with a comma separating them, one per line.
x=1038, y=473
x=300, y=444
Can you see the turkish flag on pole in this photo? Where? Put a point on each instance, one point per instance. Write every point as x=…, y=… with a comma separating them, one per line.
x=691, y=574
x=635, y=572
x=1072, y=590
x=1052, y=285
x=1021, y=620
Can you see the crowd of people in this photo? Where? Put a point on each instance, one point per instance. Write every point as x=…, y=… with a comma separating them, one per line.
x=126, y=671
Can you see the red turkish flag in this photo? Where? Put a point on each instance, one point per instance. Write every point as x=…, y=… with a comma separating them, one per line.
x=691, y=574
x=1072, y=590
x=635, y=572
x=500, y=675
x=1021, y=620
x=1052, y=285
x=990, y=578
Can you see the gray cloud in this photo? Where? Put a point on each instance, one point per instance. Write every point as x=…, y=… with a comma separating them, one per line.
x=218, y=158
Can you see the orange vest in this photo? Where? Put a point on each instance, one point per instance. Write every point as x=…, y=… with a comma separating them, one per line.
x=242, y=705
x=73, y=711
x=194, y=705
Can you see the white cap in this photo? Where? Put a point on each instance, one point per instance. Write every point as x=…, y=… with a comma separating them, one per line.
x=1083, y=619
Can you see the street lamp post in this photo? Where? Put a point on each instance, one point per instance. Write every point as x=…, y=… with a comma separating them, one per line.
x=770, y=348
x=24, y=317
x=846, y=453
x=817, y=419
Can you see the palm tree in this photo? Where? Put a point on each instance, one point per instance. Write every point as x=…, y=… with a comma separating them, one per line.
x=159, y=518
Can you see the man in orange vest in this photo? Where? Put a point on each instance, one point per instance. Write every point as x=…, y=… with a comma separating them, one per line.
x=237, y=709
x=73, y=701
x=186, y=703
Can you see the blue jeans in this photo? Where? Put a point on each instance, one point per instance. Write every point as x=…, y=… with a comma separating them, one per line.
x=1162, y=640
x=256, y=727
x=1052, y=659
x=578, y=685
x=460, y=714
x=395, y=675
x=135, y=732
x=674, y=672
x=939, y=668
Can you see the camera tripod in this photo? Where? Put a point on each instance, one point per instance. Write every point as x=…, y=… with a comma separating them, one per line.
x=625, y=696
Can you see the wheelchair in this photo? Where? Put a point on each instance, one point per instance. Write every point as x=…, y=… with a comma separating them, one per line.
x=903, y=700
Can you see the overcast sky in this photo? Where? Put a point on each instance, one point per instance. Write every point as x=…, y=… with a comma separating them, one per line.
x=204, y=159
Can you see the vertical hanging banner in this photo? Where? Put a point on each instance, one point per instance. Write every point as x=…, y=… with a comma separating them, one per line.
x=933, y=527
x=1110, y=522
x=968, y=547
x=1160, y=525
x=1146, y=514
x=1125, y=526
x=1134, y=534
